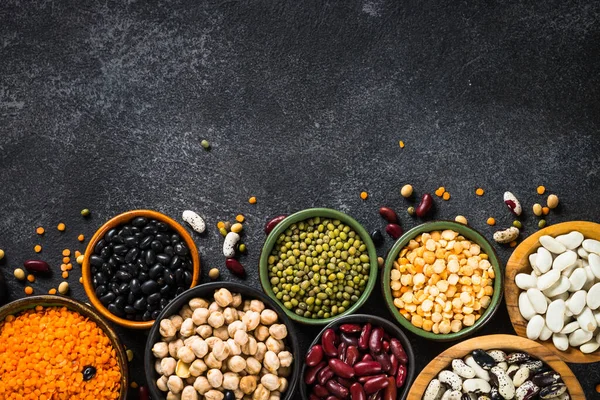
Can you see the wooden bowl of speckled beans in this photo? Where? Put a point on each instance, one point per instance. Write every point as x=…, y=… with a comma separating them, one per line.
x=46, y=301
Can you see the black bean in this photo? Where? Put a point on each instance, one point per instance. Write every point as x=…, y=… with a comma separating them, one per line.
x=131, y=298
x=100, y=279
x=99, y=246
x=108, y=236
x=126, y=231
x=229, y=395
x=108, y=298
x=96, y=260
x=163, y=238
x=175, y=262
x=157, y=246
x=154, y=298
x=135, y=286
x=187, y=278
x=169, y=251
x=377, y=237
x=105, y=253
x=115, y=310
x=163, y=303
x=143, y=277
x=149, y=257
x=181, y=249
x=130, y=241
x=165, y=291
x=155, y=314
x=160, y=281
x=179, y=277
x=140, y=304
x=132, y=255
x=129, y=309
x=163, y=258
x=147, y=316
x=88, y=372
x=101, y=290
x=118, y=259
x=120, y=249
x=145, y=243
x=123, y=276
x=169, y=277
x=114, y=286
x=120, y=302
x=175, y=238
x=156, y=271
x=150, y=287
x=162, y=227
x=124, y=288
x=139, y=222
x=150, y=230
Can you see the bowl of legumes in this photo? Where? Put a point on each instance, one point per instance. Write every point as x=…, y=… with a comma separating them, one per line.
x=442, y=280
x=222, y=341
x=56, y=347
x=135, y=264
x=358, y=356
x=318, y=264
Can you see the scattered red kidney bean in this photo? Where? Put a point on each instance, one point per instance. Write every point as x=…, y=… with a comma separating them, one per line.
x=350, y=328
x=394, y=230
x=363, y=341
x=376, y=340
x=328, y=343
x=235, y=267
x=340, y=368
x=337, y=389
x=397, y=350
x=367, y=368
x=389, y=215
x=390, y=391
x=143, y=393
x=352, y=355
x=357, y=392
x=273, y=223
x=311, y=373
x=37, y=266
x=424, y=206
x=401, y=375
x=314, y=355
x=324, y=375
x=375, y=384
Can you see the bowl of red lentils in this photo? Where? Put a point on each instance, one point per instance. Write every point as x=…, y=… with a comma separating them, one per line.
x=53, y=347
x=442, y=280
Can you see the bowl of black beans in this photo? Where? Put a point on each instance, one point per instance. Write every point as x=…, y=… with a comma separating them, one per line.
x=135, y=264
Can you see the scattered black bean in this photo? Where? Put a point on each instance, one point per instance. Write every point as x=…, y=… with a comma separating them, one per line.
x=377, y=237
x=88, y=372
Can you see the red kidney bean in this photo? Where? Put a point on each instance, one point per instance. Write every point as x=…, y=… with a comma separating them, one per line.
x=143, y=393
x=384, y=360
x=397, y=350
x=388, y=214
x=342, y=351
x=386, y=346
x=349, y=339
x=394, y=230
x=367, y=368
x=424, y=206
x=357, y=392
x=337, y=389
x=375, y=384
x=363, y=379
x=390, y=391
x=235, y=267
x=365, y=334
x=313, y=397
x=311, y=373
x=328, y=343
x=314, y=355
x=376, y=340
x=350, y=328
x=352, y=355
x=401, y=375
x=340, y=368
x=345, y=382
x=37, y=266
x=324, y=375
x=394, y=368
x=366, y=357
x=320, y=390
x=273, y=223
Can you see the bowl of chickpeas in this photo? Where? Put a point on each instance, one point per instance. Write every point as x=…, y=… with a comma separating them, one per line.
x=442, y=280
x=222, y=341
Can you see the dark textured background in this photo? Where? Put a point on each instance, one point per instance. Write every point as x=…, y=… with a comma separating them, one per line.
x=103, y=105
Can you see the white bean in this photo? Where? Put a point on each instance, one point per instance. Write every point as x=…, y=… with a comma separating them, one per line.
x=593, y=297
x=591, y=246
x=552, y=244
x=229, y=244
x=534, y=327
x=543, y=261
x=538, y=300
x=194, y=220
x=525, y=281
x=555, y=315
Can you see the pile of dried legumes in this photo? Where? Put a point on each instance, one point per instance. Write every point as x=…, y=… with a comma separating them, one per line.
x=55, y=353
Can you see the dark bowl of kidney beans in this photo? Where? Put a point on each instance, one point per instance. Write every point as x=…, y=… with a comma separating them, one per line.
x=135, y=264
x=358, y=357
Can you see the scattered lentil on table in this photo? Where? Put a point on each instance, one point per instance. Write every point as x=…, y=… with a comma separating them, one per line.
x=61, y=227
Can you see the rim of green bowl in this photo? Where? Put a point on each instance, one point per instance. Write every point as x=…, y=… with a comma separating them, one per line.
x=301, y=216
x=469, y=233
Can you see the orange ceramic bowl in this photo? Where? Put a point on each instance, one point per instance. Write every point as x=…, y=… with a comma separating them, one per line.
x=113, y=223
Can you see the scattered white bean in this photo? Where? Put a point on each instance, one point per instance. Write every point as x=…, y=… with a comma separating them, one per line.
x=229, y=244
x=194, y=220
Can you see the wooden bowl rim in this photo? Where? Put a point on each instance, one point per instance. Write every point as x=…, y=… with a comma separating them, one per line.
x=489, y=342
x=48, y=300
x=515, y=266
x=118, y=220
x=473, y=235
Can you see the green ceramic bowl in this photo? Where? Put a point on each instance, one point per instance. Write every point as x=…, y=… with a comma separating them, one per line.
x=468, y=233
x=301, y=216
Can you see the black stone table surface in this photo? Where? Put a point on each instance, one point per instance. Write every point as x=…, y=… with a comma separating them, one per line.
x=103, y=106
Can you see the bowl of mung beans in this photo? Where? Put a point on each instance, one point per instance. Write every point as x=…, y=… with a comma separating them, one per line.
x=53, y=347
x=442, y=280
x=318, y=264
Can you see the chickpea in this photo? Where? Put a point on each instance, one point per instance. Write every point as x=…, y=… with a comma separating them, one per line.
x=157, y=367
x=278, y=331
x=248, y=384
x=221, y=333
x=160, y=349
x=214, y=306
x=161, y=384
x=213, y=395
x=236, y=326
x=199, y=347
x=270, y=381
x=168, y=365
x=231, y=381
x=240, y=314
x=253, y=366
x=230, y=315
x=187, y=328
x=285, y=358
x=216, y=319
x=256, y=305
x=173, y=396
x=261, y=333
x=240, y=337
x=211, y=341
x=176, y=320
x=236, y=364
x=234, y=348
x=274, y=345
x=189, y=340
x=185, y=354
x=215, y=378
x=189, y=381
x=220, y=350
x=204, y=331
x=198, y=367
x=197, y=302
x=271, y=361
x=283, y=384
x=238, y=394
x=275, y=395
x=201, y=385
x=261, y=349
x=175, y=384
x=251, y=319
x=174, y=347
x=200, y=316
x=237, y=300
x=261, y=393
x=186, y=312
x=189, y=393
x=167, y=329
x=182, y=369
x=251, y=347
x=268, y=317
x=223, y=297
x=212, y=362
